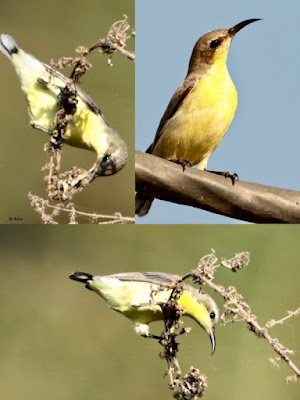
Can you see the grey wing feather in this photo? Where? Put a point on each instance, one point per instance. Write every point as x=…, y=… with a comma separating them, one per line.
x=156, y=278
x=181, y=93
x=84, y=96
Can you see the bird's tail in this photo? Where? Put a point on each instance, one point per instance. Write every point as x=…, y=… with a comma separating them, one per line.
x=81, y=276
x=142, y=204
x=28, y=68
x=8, y=45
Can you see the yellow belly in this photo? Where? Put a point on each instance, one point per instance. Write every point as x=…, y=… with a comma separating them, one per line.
x=145, y=314
x=201, y=121
x=132, y=298
x=87, y=130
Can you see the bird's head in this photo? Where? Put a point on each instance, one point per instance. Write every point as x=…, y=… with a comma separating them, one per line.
x=213, y=46
x=112, y=160
x=203, y=309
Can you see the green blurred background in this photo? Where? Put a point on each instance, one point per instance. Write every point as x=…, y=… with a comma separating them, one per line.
x=50, y=30
x=60, y=341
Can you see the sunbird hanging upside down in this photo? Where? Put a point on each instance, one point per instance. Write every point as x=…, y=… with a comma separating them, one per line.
x=129, y=294
x=87, y=130
x=200, y=110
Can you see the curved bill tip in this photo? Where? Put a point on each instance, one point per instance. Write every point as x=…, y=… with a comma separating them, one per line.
x=93, y=176
x=236, y=28
x=213, y=341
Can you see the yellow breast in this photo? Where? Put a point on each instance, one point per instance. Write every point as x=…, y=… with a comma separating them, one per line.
x=200, y=123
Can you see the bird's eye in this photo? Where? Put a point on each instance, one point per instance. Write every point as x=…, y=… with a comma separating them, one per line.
x=212, y=315
x=215, y=43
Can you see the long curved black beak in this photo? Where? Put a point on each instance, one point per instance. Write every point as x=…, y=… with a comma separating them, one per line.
x=213, y=341
x=236, y=28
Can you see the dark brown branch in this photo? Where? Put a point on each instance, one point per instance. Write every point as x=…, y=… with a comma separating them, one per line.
x=246, y=201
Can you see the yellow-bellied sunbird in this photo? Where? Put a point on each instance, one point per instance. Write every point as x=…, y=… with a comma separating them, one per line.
x=87, y=130
x=129, y=293
x=201, y=109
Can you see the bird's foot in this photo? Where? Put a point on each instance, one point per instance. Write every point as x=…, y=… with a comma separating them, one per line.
x=234, y=177
x=182, y=162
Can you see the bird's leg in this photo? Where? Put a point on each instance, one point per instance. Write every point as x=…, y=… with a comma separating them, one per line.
x=182, y=162
x=56, y=142
x=41, y=128
x=42, y=82
x=150, y=336
x=234, y=177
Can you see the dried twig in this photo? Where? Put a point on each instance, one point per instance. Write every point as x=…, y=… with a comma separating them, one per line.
x=273, y=322
x=238, y=310
x=194, y=383
x=49, y=213
x=65, y=186
x=116, y=41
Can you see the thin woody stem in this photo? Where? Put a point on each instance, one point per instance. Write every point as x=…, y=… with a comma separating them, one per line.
x=255, y=327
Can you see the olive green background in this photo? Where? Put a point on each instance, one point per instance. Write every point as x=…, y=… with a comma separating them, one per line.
x=60, y=341
x=50, y=30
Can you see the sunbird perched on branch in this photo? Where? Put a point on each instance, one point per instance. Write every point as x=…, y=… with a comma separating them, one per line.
x=129, y=293
x=201, y=109
x=87, y=130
